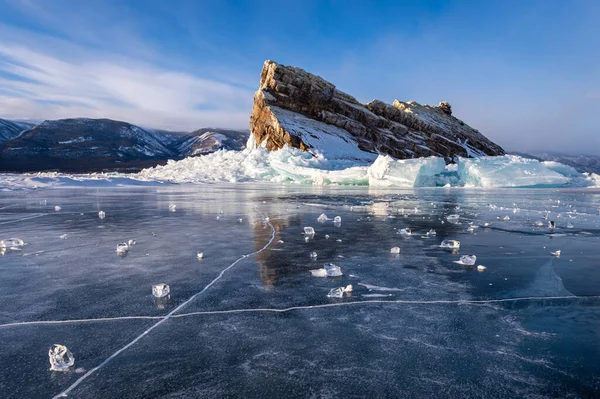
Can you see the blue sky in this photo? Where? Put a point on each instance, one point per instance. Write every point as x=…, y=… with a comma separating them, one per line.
x=525, y=73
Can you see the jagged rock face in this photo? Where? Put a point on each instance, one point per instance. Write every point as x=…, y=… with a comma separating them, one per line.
x=301, y=110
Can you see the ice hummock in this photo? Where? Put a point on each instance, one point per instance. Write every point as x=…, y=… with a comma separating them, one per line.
x=61, y=358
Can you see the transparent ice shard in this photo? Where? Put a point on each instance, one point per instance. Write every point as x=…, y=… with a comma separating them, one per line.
x=481, y=268
x=405, y=232
x=63, y=237
x=101, y=214
x=161, y=290
x=332, y=270
x=11, y=243
x=348, y=288
x=450, y=244
x=240, y=220
x=322, y=218
x=551, y=224
x=467, y=260
x=199, y=255
x=336, y=293
x=309, y=231
x=313, y=255
x=131, y=243
x=57, y=208
x=507, y=218
x=173, y=208
x=395, y=250
x=570, y=225
x=556, y=253
x=431, y=233
x=61, y=358
x=337, y=219
x=122, y=248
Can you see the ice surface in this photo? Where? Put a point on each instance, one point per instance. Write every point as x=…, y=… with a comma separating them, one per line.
x=395, y=250
x=161, y=290
x=61, y=358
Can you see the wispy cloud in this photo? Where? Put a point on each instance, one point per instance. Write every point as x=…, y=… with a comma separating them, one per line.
x=38, y=85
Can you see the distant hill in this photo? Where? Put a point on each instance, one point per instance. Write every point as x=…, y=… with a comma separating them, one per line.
x=84, y=145
x=583, y=163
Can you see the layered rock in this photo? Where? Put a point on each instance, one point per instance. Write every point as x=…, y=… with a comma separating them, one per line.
x=305, y=111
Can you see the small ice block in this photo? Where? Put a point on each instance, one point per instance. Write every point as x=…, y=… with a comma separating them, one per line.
x=348, y=288
x=395, y=250
x=322, y=218
x=467, y=260
x=336, y=293
x=481, y=268
x=556, y=253
x=551, y=224
x=450, y=244
x=431, y=232
x=63, y=237
x=570, y=225
x=61, y=358
x=160, y=290
x=131, y=243
x=101, y=214
x=452, y=218
x=337, y=219
x=11, y=243
x=309, y=231
x=200, y=255
x=333, y=270
x=327, y=236
x=405, y=232
x=57, y=208
x=122, y=248
x=539, y=224
x=173, y=208
x=313, y=255
x=318, y=273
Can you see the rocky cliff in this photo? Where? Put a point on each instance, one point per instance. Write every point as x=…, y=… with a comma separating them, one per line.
x=303, y=110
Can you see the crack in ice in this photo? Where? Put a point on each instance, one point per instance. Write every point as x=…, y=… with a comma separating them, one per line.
x=166, y=317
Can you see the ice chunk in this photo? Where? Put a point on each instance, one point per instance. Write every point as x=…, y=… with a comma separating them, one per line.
x=336, y=293
x=348, y=288
x=481, y=268
x=240, y=220
x=57, y=208
x=338, y=240
x=431, y=233
x=570, y=225
x=327, y=236
x=450, y=244
x=395, y=250
x=12, y=243
x=405, y=232
x=453, y=218
x=556, y=253
x=63, y=237
x=122, y=248
x=307, y=238
x=467, y=260
x=131, y=243
x=486, y=224
x=309, y=231
x=551, y=224
x=332, y=270
x=313, y=255
x=337, y=219
x=199, y=255
x=101, y=214
x=507, y=218
x=539, y=224
x=161, y=290
x=173, y=208
x=61, y=358
x=318, y=273
x=322, y=218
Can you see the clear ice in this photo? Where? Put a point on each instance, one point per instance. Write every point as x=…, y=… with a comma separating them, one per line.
x=450, y=244
x=61, y=358
x=160, y=290
x=339, y=292
x=309, y=231
x=332, y=270
x=322, y=218
x=467, y=260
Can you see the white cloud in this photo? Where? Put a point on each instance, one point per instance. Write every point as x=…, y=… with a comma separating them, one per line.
x=51, y=86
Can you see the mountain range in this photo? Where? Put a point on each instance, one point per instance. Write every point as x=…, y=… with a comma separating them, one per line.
x=83, y=145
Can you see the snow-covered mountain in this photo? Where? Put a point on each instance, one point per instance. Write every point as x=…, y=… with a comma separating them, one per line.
x=12, y=129
x=582, y=163
x=207, y=140
x=84, y=145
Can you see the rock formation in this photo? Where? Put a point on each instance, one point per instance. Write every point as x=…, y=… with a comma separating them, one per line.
x=305, y=111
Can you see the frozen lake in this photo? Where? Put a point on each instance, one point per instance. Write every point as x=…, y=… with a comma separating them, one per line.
x=249, y=320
